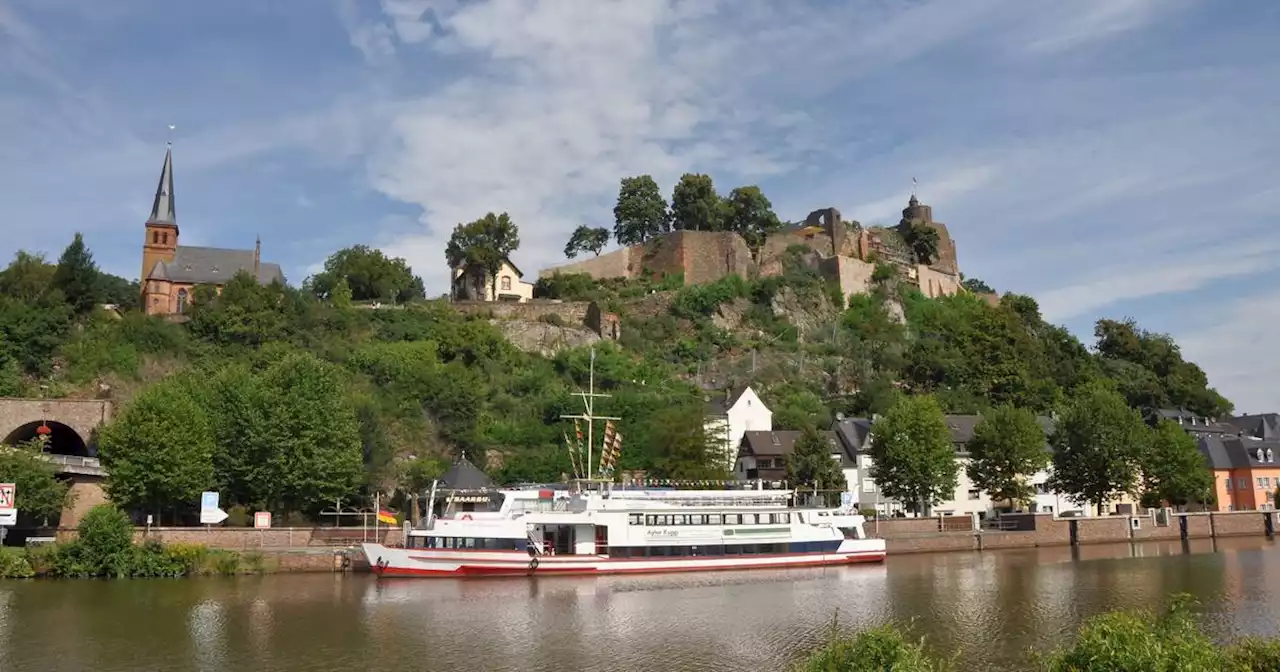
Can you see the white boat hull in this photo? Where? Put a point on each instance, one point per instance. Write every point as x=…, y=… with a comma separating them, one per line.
x=429, y=562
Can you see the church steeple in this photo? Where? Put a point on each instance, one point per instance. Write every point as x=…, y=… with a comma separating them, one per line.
x=162, y=210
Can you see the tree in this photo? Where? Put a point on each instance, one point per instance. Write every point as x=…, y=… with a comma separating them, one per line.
x=1097, y=442
x=77, y=276
x=586, y=239
x=369, y=274
x=483, y=246
x=1168, y=379
x=641, y=211
x=810, y=464
x=40, y=494
x=1007, y=447
x=751, y=215
x=312, y=434
x=27, y=277
x=977, y=286
x=121, y=293
x=695, y=206
x=912, y=455
x=1174, y=469
x=922, y=239
x=159, y=452
x=681, y=448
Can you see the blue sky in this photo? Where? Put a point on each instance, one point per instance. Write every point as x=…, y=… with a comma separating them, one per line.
x=1111, y=158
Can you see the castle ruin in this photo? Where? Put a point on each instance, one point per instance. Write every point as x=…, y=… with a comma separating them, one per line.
x=847, y=252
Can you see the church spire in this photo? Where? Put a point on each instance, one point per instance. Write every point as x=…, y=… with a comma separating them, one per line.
x=162, y=211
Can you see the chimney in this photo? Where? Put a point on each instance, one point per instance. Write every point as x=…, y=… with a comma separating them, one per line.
x=257, y=256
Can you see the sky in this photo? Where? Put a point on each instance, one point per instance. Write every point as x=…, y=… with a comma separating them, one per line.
x=1111, y=158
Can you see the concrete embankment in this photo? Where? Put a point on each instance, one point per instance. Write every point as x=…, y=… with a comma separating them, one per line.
x=946, y=534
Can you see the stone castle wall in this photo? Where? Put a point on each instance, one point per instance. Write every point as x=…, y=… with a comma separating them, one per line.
x=843, y=248
x=571, y=312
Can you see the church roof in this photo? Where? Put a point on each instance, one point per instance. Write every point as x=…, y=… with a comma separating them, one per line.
x=212, y=266
x=162, y=210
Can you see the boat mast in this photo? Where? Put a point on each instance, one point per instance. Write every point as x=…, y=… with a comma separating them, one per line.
x=588, y=402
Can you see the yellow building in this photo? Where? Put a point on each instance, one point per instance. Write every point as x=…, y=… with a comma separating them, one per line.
x=170, y=272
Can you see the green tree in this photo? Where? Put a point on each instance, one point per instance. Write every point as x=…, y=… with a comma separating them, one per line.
x=159, y=452
x=1162, y=379
x=340, y=296
x=41, y=496
x=922, y=239
x=1098, y=442
x=1174, y=469
x=977, y=286
x=641, y=211
x=695, y=205
x=586, y=239
x=27, y=277
x=30, y=333
x=681, y=448
x=245, y=459
x=912, y=455
x=313, y=435
x=245, y=313
x=1007, y=447
x=369, y=274
x=751, y=215
x=483, y=246
x=115, y=290
x=810, y=464
x=77, y=276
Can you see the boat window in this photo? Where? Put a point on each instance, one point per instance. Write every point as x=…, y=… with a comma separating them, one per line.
x=715, y=519
x=636, y=519
x=733, y=519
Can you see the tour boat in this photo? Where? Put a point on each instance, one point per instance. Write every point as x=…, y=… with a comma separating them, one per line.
x=602, y=529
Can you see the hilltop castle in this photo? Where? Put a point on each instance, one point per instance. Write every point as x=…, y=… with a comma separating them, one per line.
x=171, y=272
x=845, y=251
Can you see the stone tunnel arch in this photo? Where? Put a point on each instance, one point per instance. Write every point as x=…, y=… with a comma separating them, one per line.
x=62, y=439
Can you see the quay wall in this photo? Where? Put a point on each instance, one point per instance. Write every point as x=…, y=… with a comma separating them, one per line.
x=927, y=535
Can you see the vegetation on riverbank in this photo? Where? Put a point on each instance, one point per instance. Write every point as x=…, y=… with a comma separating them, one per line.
x=1119, y=641
x=105, y=547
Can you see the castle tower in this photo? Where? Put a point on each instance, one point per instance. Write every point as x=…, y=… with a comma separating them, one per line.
x=161, y=239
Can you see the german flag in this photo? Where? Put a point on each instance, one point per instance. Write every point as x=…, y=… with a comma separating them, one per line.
x=385, y=516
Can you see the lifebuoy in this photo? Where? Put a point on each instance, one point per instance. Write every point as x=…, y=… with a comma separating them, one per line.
x=466, y=516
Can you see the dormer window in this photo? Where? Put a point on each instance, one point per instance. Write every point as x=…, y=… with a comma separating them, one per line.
x=1259, y=454
x=776, y=442
x=1269, y=455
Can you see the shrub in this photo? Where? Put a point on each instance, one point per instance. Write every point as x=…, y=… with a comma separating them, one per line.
x=1253, y=654
x=14, y=564
x=1137, y=641
x=874, y=650
x=105, y=541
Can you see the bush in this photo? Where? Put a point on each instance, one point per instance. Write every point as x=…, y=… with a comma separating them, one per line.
x=1253, y=654
x=553, y=319
x=875, y=650
x=104, y=544
x=1137, y=641
x=14, y=564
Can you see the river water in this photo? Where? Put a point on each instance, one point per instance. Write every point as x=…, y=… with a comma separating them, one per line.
x=989, y=607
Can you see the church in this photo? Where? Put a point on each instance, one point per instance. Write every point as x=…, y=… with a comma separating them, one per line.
x=170, y=272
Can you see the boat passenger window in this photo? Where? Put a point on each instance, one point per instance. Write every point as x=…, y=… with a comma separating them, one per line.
x=651, y=520
x=715, y=519
x=636, y=519
x=733, y=519
x=682, y=520
x=786, y=517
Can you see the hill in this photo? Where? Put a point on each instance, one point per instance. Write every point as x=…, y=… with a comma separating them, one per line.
x=271, y=381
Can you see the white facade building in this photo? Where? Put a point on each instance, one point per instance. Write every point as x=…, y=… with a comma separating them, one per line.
x=729, y=418
x=473, y=284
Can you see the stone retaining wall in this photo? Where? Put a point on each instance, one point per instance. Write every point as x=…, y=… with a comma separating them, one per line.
x=921, y=535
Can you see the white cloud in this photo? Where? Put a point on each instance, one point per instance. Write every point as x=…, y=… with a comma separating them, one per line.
x=1237, y=349
x=1102, y=18
x=1158, y=275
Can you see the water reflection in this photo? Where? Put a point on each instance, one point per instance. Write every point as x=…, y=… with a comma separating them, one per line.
x=990, y=607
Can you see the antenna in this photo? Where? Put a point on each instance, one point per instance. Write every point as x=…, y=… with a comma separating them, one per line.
x=588, y=402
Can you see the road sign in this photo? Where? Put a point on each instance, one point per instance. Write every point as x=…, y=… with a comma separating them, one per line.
x=8, y=504
x=262, y=520
x=210, y=514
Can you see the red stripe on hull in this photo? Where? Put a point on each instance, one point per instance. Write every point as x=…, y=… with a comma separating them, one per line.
x=495, y=572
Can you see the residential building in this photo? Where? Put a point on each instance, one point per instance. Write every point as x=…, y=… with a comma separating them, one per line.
x=473, y=283
x=1265, y=426
x=730, y=416
x=1198, y=425
x=854, y=435
x=762, y=455
x=1246, y=474
x=171, y=272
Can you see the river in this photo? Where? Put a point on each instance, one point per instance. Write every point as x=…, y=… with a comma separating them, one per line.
x=989, y=607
